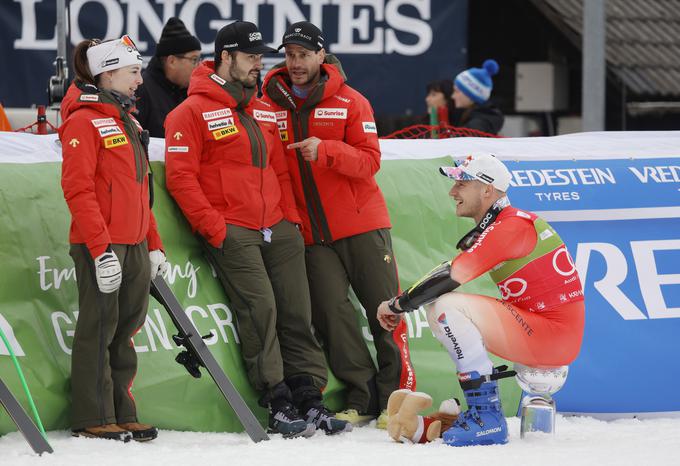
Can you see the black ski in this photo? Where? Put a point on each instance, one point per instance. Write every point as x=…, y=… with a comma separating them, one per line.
x=31, y=433
x=197, y=352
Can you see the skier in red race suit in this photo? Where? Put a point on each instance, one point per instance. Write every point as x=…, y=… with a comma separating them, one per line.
x=539, y=320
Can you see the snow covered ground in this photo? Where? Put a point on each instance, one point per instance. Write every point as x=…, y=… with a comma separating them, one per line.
x=579, y=441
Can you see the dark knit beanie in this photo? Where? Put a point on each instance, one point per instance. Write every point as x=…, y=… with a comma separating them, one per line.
x=176, y=39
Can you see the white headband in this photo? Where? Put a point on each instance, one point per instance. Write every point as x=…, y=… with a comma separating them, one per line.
x=113, y=54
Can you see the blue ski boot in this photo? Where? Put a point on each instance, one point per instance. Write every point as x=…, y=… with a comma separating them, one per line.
x=483, y=423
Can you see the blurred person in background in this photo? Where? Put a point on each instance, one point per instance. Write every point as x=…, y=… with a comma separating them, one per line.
x=166, y=78
x=439, y=96
x=471, y=93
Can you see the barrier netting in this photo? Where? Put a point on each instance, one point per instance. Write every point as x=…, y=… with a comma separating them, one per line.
x=437, y=132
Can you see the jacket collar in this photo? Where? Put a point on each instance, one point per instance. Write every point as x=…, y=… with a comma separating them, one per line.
x=277, y=84
x=81, y=95
x=204, y=81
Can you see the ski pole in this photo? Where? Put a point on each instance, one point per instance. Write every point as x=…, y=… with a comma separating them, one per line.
x=23, y=383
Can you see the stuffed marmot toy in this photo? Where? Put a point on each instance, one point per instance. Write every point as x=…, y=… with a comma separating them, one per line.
x=405, y=424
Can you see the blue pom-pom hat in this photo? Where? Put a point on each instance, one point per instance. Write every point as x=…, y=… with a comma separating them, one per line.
x=476, y=83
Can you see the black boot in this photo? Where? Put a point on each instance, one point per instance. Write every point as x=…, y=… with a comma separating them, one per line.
x=283, y=417
x=309, y=401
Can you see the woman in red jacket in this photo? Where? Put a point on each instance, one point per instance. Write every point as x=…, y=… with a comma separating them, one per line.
x=114, y=240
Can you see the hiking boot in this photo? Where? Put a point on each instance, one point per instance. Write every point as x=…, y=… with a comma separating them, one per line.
x=107, y=431
x=308, y=399
x=285, y=420
x=381, y=423
x=326, y=420
x=140, y=432
x=354, y=417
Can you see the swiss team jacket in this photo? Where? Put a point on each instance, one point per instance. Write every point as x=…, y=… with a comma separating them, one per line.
x=337, y=195
x=104, y=172
x=224, y=160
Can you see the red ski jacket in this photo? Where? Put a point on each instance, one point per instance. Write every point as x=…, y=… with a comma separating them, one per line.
x=104, y=173
x=224, y=160
x=337, y=195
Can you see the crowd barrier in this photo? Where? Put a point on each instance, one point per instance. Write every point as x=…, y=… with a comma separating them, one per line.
x=612, y=196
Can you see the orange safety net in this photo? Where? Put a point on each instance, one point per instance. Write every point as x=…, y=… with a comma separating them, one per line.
x=437, y=132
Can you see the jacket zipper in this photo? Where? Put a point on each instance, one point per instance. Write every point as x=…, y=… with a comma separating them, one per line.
x=259, y=144
x=139, y=162
x=137, y=152
x=307, y=173
x=141, y=196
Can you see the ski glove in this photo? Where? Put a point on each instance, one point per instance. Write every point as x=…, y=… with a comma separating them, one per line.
x=107, y=271
x=159, y=265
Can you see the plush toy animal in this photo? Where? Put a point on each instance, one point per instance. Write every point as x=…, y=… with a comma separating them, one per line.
x=406, y=424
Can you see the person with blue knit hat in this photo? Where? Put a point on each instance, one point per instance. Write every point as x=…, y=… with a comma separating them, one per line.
x=471, y=93
x=476, y=83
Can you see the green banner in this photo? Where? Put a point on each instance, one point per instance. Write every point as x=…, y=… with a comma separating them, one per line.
x=39, y=302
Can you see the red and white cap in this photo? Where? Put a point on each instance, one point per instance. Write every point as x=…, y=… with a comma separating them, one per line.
x=113, y=54
x=480, y=167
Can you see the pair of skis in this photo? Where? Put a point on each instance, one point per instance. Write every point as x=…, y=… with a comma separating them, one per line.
x=198, y=354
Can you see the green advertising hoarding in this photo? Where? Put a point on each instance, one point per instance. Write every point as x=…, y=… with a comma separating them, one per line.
x=39, y=303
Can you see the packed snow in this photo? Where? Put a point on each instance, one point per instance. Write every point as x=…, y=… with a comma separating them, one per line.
x=578, y=441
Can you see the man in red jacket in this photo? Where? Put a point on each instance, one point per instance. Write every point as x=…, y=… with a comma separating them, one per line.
x=333, y=156
x=226, y=169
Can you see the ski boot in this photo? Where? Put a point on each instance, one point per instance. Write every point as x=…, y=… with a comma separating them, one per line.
x=483, y=423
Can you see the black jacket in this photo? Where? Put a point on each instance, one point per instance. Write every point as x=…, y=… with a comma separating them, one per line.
x=156, y=97
x=486, y=117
